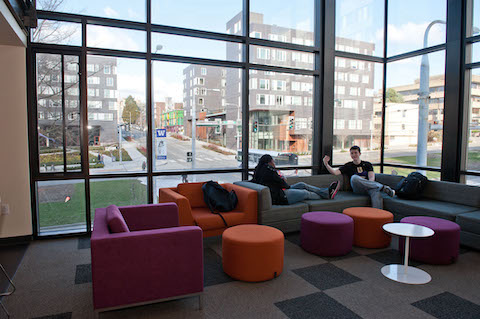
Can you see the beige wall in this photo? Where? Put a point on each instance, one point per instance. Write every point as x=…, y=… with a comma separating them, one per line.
x=14, y=173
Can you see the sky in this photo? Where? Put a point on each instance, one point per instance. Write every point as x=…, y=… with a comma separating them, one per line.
x=355, y=19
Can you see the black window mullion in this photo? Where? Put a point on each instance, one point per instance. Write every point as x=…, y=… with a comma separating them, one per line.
x=64, y=120
x=384, y=85
x=149, y=105
x=245, y=89
x=84, y=124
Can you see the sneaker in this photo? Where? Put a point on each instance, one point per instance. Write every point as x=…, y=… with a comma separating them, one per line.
x=333, y=189
x=390, y=192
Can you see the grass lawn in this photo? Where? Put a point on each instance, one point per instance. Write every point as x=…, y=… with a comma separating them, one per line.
x=432, y=160
x=103, y=193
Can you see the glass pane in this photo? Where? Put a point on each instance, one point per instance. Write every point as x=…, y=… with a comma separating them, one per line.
x=117, y=191
x=57, y=32
x=472, y=180
x=414, y=110
x=408, y=22
x=280, y=20
x=280, y=57
x=473, y=53
x=359, y=26
x=119, y=9
x=116, y=114
x=473, y=147
x=475, y=18
x=72, y=112
x=208, y=49
x=213, y=94
x=116, y=38
x=405, y=171
x=61, y=207
x=49, y=112
x=212, y=15
x=174, y=180
x=357, y=110
x=280, y=118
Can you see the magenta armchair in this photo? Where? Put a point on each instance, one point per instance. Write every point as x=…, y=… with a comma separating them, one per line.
x=156, y=260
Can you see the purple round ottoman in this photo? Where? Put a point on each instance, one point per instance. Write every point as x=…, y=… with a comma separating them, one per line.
x=326, y=233
x=440, y=249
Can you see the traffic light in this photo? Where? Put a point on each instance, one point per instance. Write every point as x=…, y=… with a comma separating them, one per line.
x=291, y=123
x=255, y=127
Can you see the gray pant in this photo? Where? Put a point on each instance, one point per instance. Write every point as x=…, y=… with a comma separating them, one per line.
x=301, y=191
x=366, y=187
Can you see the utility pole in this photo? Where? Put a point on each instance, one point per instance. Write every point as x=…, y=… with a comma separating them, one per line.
x=423, y=96
x=120, y=142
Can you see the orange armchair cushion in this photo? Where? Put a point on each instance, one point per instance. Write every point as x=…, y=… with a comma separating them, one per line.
x=193, y=192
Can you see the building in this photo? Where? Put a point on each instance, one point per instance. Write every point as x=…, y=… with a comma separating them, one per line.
x=436, y=99
x=173, y=121
x=204, y=90
x=281, y=105
x=101, y=101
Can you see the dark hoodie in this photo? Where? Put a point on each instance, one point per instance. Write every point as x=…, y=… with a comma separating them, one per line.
x=267, y=175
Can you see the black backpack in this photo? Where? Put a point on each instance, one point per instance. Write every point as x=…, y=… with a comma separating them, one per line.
x=412, y=186
x=218, y=199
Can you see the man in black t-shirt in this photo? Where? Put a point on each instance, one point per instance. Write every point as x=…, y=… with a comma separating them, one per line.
x=362, y=177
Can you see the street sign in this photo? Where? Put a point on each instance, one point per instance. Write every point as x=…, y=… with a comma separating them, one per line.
x=161, y=132
x=161, y=149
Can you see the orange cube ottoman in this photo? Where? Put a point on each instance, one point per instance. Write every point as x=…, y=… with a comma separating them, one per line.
x=368, y=222
x=252, y=252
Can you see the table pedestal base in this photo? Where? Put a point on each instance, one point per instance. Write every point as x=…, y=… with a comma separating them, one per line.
x=412, y=276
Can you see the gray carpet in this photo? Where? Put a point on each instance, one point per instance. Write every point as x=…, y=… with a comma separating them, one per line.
x=54, y=281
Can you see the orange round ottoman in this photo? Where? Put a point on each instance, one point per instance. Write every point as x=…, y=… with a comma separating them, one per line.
x=252, y=252
x=368, y=222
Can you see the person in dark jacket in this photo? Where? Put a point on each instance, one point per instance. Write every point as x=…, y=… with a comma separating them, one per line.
x=284, y=194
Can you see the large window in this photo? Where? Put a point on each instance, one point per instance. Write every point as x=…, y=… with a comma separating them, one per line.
x=413, y=25
x=357, y=109
x=414, y=110
x=473, y=132
x=117, y=121
x=197, y=116
x=359, y=26
x=128, y=102
x=280, y=119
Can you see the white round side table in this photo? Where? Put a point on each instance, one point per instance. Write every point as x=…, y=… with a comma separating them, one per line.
x=405, y=273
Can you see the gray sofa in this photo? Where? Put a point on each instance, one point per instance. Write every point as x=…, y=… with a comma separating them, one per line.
x=456, y=202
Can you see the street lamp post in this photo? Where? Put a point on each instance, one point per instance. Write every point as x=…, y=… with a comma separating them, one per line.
x=423, y=96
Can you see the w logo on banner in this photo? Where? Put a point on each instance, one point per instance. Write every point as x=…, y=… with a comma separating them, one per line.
x=161, y=132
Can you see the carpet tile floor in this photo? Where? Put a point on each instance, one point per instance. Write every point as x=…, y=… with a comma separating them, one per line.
x=54, y=281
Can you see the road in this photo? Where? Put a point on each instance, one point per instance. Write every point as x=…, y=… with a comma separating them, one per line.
x=208, y=159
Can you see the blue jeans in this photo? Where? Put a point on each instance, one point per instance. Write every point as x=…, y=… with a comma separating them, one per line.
x=301, y=191
x=367, y=187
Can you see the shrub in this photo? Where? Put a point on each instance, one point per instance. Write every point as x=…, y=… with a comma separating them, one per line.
x=215, y=148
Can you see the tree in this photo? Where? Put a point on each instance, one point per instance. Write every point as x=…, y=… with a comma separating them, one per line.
x=393, y=96
x=131, y=111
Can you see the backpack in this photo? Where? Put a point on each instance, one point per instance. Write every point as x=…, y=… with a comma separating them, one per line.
x=218, y=199
x=412, y=186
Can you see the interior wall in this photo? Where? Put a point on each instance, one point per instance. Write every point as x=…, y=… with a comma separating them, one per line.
x=14, y=167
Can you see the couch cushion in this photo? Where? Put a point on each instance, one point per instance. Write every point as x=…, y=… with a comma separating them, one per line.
x=193, y=192
x=210, y=221
x=342, y=200
x=425, y=207
x=264, y=197
x=283, y=212
x=116, y=222
x=453, y=192
x=469, y=222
